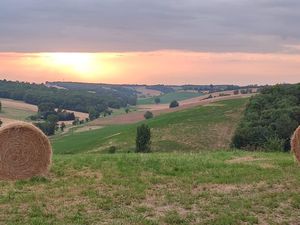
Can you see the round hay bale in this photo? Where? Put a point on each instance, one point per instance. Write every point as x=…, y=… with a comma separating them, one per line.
x=25, y=152
x=295, y=143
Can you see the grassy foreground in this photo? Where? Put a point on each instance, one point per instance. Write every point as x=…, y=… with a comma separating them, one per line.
x=158, y=188
x=195, y=129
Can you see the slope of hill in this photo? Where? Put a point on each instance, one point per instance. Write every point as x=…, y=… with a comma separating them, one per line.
x=81, y=100
x=195, y=129
x=167, y=98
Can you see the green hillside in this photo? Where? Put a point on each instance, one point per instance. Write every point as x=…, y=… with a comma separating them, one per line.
x=195, y=129
x=167, y=98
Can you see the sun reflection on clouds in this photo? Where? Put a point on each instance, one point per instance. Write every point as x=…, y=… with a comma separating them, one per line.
x=172, y=67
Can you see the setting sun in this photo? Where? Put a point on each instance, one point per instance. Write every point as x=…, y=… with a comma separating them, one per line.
x=84, y=64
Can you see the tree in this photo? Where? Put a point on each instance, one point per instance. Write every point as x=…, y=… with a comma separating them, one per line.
x=1, y=122
x=174, y=104
x=47, y=127
x=143, y=138
x=148, y=115
x=46, y=107
x=127, y=110
x=157, y=100
x=52, y=118
x=62, y=126
x=93, y=114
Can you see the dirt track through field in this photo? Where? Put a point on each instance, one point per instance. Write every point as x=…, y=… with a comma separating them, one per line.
x=138, y=116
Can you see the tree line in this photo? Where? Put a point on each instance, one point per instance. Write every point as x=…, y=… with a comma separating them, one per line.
x=270, y=119
x=78, y=99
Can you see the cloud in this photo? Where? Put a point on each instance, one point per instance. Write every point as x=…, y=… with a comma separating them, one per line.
x=262, y=26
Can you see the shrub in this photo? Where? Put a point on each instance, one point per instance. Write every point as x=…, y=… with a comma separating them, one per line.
x=174, y=104
x=148, y=115
x=112, y=149
x=157, y=100
x=274, y=144
x=143, y=138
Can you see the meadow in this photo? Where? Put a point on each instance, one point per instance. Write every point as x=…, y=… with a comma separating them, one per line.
x=223, y=187
x=167, y=98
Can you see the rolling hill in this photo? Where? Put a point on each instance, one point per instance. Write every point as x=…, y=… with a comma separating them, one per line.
x=184, y=181
x=194, y=129
x=167, y=98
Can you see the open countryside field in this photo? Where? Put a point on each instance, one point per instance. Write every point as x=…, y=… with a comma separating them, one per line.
x=15, y=111
x=20, y=111
x=194, y=129
x=221, y=187
x=143, y=91
x=137, y=115
x=190, y=178
x=167, y=98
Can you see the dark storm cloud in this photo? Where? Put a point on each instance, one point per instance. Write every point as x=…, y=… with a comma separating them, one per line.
x=144, y=25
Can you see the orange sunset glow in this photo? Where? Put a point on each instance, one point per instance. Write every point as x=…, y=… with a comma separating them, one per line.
x=152, y=67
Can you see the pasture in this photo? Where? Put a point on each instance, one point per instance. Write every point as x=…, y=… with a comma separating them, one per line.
x=224, y=187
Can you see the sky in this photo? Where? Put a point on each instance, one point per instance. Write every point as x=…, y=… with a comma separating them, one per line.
x=148, y=42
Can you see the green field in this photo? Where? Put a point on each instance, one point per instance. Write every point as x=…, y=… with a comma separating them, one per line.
x=167, y=98
x=158, y=188
x=195, y=129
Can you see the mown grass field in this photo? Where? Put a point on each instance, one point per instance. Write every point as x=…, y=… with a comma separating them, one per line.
x=167, y=98
x=15, y=114
x=195, y=129
x=221, y=187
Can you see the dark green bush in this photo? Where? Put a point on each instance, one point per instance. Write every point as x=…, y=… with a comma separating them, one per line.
x=112, y=149
x=174, y=104
x=148, y=115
